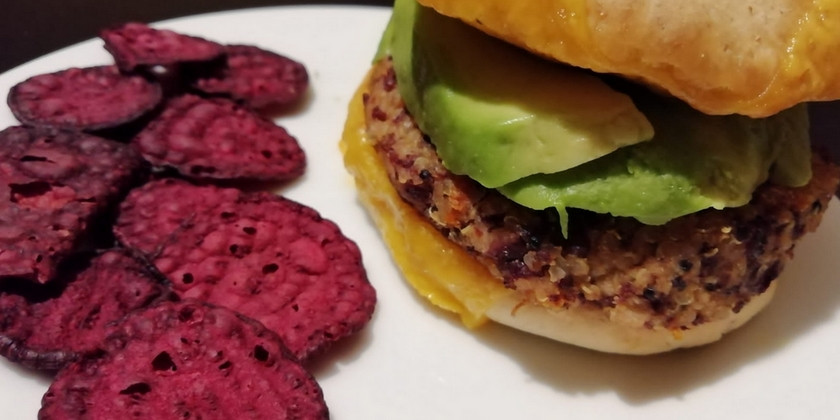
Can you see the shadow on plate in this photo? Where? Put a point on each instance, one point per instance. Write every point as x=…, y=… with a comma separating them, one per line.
x=343, y=352
x=808, y=296
x=23, y=373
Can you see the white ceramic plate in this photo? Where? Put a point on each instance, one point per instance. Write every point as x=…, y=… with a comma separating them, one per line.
x=414, y=362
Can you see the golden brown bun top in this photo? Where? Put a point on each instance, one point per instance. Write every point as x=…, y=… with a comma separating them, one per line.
x=751, y=57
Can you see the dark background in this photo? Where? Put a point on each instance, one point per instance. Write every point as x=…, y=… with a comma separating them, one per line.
x=32, y=28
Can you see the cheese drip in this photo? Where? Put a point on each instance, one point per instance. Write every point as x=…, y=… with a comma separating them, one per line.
x=455, y=282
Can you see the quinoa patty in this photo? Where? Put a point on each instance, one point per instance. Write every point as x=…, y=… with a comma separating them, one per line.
x=694, y=269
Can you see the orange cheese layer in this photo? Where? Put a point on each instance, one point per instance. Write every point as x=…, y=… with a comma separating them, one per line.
x=441, y=272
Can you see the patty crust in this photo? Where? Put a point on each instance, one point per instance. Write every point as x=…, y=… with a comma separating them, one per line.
x=692, y=270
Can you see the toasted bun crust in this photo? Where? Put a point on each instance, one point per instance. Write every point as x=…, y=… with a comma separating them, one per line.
x=453, y=280
x=751, y=57
x=592, y=329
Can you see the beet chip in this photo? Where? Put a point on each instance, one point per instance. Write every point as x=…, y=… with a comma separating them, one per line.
x=49, y=333
x=136, y=44
x=52, y=187
x=83, y=99
x=267, y=257
x=186, y=360
x=217, y=139
x=257, y=78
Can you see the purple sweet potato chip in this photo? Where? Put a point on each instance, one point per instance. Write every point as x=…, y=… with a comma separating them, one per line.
x=217, y=139
x=257, y=78
x=84, y=99
x=52, y=187
x=186, y=360
x=42, y=331
x=265, y=256
x=136, y=44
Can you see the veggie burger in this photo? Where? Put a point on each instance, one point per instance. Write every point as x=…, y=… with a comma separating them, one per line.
x=623, y=176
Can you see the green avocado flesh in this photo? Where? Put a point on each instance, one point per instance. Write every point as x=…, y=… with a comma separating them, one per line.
x=497, y=113
x=549, y=136
x=694, y=162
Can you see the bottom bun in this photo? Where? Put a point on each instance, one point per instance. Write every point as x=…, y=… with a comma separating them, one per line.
x=592, y=328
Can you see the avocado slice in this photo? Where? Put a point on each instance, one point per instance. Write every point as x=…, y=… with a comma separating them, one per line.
x=695, y=161
x=548, y=136
x=497, y=113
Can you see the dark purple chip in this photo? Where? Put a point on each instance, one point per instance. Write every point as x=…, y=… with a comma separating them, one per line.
x=151, y=215
x=257, y=78
x=47, y=332
x=186, y=360
x=52, y=186
x=217, y=139
x=86, y=99
x=267, y=257
x=137, y=44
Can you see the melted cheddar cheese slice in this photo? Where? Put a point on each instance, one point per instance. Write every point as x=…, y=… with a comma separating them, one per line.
x=455, y=281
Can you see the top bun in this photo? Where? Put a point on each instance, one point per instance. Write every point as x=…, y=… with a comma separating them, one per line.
x=750, y=57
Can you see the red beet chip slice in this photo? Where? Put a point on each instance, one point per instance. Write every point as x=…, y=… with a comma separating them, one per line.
x=53, y=186
x=257, y=78
x=153, y=215
x=264, y=256
x=51, y=331
x=186, y=360
x=136, y=44
x=217, y=139
x=86, y=99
